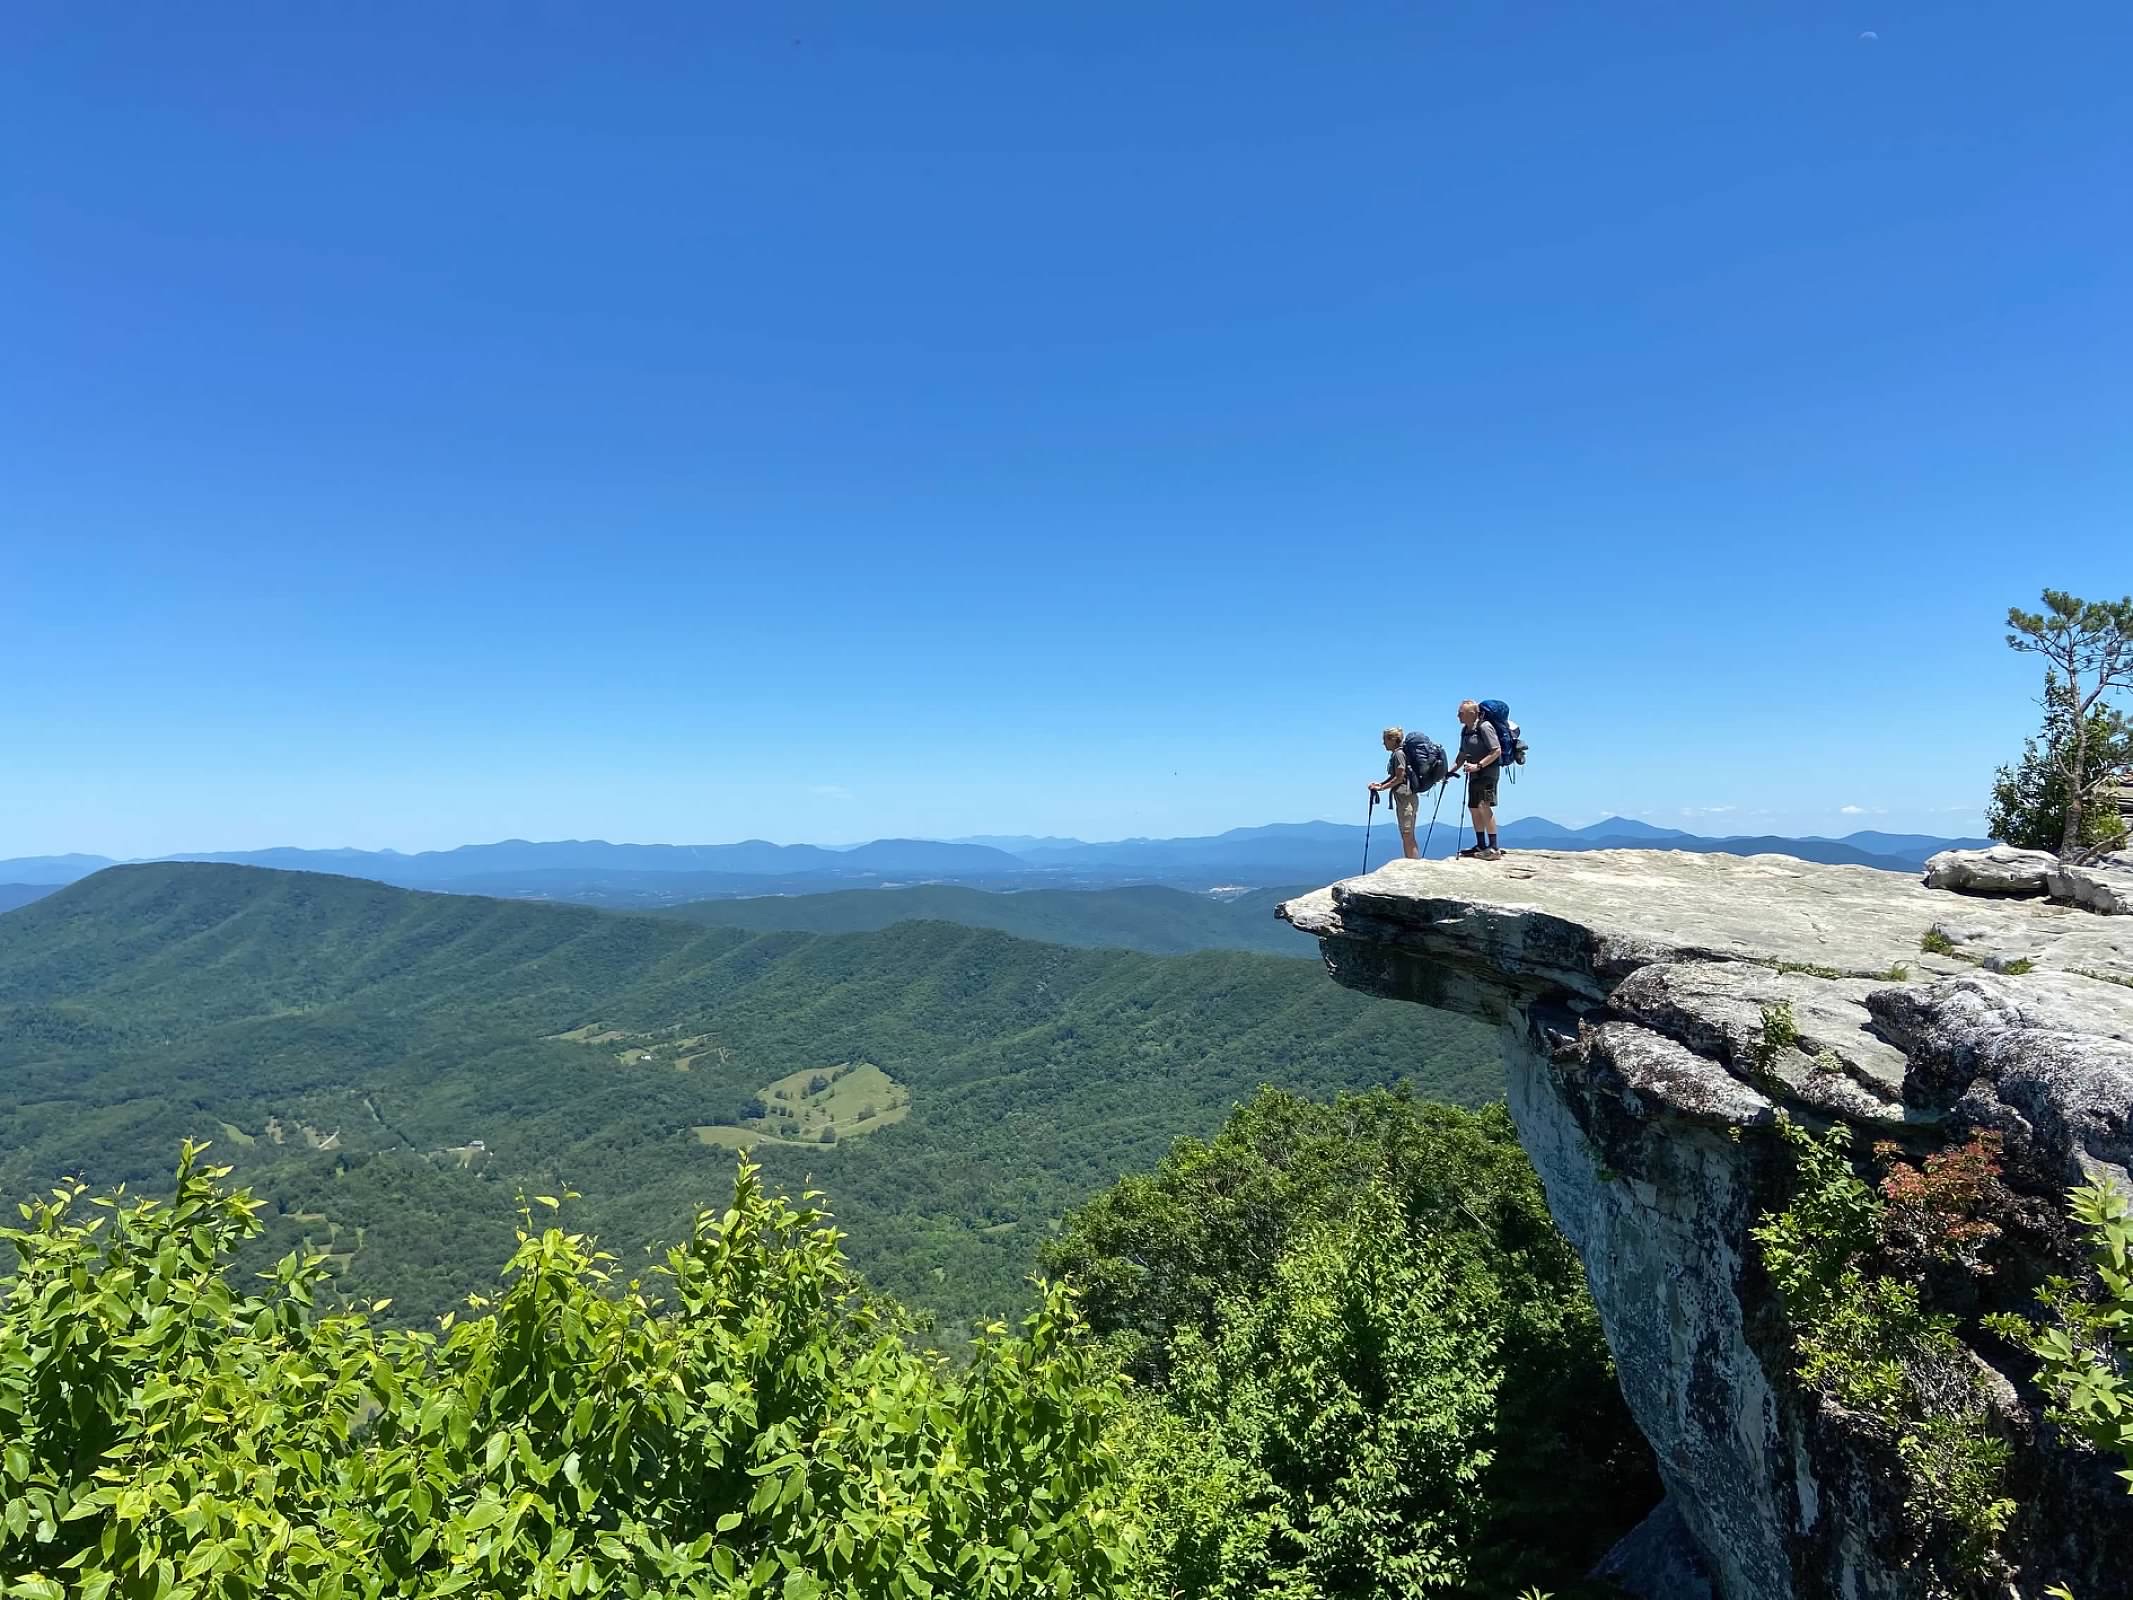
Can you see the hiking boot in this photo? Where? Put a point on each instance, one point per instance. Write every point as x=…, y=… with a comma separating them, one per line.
x=1492, y=854
x=1474, y=852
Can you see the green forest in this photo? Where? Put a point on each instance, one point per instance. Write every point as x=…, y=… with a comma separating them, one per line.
x=388, y=1070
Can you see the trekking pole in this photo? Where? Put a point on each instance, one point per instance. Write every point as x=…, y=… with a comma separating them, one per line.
x=1433, y=810
x=1370, y=815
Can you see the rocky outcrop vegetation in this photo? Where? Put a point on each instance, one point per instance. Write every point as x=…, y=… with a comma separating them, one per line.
x=1672, y=1025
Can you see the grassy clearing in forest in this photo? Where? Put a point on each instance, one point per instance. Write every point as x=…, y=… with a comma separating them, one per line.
x=842, y=1102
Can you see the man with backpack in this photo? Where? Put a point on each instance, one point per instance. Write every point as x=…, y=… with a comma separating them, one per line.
x=1481, y=757
x=1414, y=762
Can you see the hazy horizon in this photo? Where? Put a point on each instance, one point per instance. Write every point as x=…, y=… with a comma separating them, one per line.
x=1712, y=828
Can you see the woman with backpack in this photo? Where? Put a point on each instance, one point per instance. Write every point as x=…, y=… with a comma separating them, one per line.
x=1406, y=800
x=1414, y=765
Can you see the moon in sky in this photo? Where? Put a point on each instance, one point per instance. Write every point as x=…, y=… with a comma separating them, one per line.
x=1869, y=36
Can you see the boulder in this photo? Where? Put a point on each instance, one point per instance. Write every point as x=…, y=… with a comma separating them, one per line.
x=2002, y=869
x=1634, y=992
x=2104, y=888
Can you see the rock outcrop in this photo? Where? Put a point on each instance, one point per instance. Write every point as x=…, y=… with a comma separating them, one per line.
x=1631, y=988
x=2105, y=887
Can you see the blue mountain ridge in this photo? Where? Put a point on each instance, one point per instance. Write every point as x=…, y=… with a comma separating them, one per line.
x=595, y=871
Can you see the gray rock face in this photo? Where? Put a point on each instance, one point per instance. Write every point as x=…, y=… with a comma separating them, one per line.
x=1630, y=988
x=2106, y=887
x=2002, y=869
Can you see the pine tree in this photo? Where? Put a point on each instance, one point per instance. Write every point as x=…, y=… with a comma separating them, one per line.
x=2087, y=646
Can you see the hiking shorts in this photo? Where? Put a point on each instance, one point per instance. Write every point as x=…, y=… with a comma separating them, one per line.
x=1404, y=806
x=1481, y=786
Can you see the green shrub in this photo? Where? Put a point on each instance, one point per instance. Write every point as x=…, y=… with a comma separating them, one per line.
x=2087, y=1352
x=1864, y=1337
x=761, y=1430
x=1781, y=1031
x=1935, y=943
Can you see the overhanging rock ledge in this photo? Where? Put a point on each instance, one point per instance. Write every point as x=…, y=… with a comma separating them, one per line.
x=1630, y=989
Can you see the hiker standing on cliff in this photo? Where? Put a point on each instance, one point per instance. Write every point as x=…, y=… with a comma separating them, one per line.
x=1405, y=802
x=1481, y=759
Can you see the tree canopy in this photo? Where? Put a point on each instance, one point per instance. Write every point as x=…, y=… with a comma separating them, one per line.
x=1370, y=1363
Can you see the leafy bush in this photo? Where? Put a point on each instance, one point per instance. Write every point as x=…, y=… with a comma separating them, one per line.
x=1864, y=1337
x=1781, y=1031
x=1940, y=1212
x=2088, y=1351
x=761, y=1431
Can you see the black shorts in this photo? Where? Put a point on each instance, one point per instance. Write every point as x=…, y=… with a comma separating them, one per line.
x=1481, y=786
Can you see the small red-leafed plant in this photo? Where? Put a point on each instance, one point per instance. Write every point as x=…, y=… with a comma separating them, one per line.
x=1939, y=1212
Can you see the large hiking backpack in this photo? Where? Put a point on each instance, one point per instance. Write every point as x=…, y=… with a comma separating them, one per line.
x=1508, y=739
x=1426, y=766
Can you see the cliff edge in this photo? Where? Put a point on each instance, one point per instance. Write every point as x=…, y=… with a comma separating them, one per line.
x=1634, y=991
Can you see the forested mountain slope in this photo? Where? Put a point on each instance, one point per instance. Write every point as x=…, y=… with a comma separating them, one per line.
x=389, y=1067
x=1147, y=917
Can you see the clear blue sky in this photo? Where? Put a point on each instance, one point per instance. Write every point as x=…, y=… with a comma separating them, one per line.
x=422, y=424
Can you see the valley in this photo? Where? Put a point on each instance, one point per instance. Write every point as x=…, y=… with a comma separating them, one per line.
x=390, y=1069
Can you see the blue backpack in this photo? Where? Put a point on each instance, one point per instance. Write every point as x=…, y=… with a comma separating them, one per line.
x=1508, y=741
x=1426, y=766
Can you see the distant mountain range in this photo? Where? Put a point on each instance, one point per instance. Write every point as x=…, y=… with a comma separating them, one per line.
x=1147, y=917
x=1891, y=852
x=431, y=869
x=595, y=872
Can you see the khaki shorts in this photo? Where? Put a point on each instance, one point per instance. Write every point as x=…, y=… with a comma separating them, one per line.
x=1404, y=806
x=1481, y=786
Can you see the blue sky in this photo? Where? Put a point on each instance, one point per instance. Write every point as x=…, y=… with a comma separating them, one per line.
x=427, y=424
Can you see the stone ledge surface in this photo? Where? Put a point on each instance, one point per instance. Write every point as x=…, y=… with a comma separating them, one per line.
x=1638, y=906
